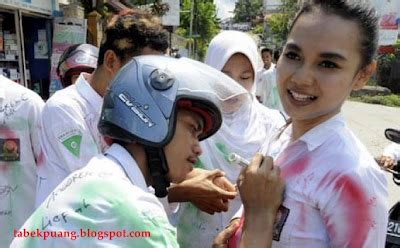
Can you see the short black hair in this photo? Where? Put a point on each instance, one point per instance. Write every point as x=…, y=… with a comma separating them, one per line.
x=266, y=49
x=130, y=31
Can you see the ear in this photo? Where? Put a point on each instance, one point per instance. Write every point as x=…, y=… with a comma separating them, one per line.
x=363, y=75
x=111, y=62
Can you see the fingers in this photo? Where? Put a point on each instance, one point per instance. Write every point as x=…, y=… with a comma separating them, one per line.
x=218, y=205
x=389, y=163
x=208, y=210
x=211, y=207
x=204, y=207
x=386, y=162
x=275, y=171
x=225, y=195
x=214, y=174
x=225, y=184
x=267, y=163
x=255, y=162
x=222, y=238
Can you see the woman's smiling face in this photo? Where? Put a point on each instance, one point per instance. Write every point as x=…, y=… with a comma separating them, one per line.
x=319, y=67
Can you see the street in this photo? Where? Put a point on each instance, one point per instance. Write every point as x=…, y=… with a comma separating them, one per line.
x=368, y=122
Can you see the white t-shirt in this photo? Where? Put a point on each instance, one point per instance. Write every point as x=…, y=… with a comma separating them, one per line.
x=20, y=110
x=267, y=89
x=70, y=135
x=393, y=151
x=109, y=194
x=335, y=193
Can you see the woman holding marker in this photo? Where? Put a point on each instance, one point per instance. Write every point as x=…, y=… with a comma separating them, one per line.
x=335, y=193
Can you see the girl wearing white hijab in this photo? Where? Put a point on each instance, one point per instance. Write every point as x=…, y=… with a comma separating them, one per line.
x=243, y=132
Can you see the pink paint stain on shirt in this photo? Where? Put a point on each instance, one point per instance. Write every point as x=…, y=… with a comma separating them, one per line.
x=7, y=133
x=356, y=219
x=40, y=159
x=234, y=240
x=295, y=168
x=302, y=218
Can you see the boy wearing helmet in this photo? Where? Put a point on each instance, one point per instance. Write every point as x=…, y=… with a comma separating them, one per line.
x=156, y=112
x=70, y=117
x=75, y=60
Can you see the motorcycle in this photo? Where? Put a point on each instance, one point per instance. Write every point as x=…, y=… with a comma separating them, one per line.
x=393, y=228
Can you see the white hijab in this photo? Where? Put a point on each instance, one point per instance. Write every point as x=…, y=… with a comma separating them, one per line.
x=226, y=44
x=243, y=132
x=246, y=130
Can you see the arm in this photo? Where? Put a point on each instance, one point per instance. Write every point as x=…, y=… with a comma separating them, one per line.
x=67, y=137
x=354, y=211
x=261, y=205
x=257, y=230
x=67, y=145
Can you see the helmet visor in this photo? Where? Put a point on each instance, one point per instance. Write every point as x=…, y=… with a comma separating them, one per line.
x=206, y=82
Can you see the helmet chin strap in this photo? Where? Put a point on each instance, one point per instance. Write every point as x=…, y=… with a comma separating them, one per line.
x=158, y=170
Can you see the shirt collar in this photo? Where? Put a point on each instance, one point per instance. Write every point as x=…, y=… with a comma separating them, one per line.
x=88, y=93
x=319, y=134
x=128, y=164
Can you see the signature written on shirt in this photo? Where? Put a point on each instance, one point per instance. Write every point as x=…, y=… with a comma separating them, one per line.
x=9, y=108
x=6, y=190
x=77, y=176
x=62, y=218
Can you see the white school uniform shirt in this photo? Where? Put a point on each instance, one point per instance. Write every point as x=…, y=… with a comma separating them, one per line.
x=393, y=151
x=70, y=135
x=335, y=193
x=20, y=153
x=261, y=88
x=109, y=194
x=267, y=89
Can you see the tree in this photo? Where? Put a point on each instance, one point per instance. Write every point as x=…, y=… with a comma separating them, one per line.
x=155, y=6
x=278, y=23
x=247, y=10
x=204, y=24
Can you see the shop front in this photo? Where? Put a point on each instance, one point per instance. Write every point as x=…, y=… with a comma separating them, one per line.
x=25, y=42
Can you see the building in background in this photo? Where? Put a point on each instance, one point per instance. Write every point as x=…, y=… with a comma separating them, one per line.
x=271, y=6
x=25, y=41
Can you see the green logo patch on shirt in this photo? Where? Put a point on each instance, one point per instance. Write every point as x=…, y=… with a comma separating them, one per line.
x=72, y=141
x=73, y=144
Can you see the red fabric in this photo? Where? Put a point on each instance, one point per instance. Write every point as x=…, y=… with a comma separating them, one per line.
x=187, y=104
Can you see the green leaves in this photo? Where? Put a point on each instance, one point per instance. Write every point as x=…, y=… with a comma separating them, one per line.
x=279, y=22
x=204, y=24
x=247, y=10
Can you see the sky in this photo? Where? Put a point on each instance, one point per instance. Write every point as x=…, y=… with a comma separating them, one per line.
x=224, y=7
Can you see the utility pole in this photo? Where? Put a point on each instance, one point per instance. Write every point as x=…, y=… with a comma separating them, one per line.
x=195, y=28
x=191, y=27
